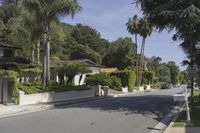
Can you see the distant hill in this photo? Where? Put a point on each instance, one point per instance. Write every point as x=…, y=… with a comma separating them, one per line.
x=67, y=28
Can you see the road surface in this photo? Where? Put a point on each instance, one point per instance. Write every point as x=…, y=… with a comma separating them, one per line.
x=133, y=114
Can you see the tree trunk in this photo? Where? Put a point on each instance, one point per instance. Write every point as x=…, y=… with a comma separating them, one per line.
x=33, y=53
x=48, y=60
x=136, y=42
x=137, y=63
x=46, y=56
x=45, y=43
x=38, y=51
x=192, y=78
x=141, y=61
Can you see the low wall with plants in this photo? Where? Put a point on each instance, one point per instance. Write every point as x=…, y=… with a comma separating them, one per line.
x=104, y=79
x=54, y=96
x=117, y=80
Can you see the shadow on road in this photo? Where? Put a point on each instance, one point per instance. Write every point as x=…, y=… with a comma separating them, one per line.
x=153, y=106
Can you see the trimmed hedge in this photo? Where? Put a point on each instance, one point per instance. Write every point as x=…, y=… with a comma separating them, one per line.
x=104, y=79
x=127, y=77
x=147, y=77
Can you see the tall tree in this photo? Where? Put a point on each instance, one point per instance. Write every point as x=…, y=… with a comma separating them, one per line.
x=121, y=54
x=183, y=16
x=85, y=35
x=146, y=28
x=133, y=28
x=174, y=72
x=47, y=11
x=163, y=73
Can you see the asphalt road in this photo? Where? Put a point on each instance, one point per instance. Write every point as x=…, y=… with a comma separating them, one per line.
x=135, y=114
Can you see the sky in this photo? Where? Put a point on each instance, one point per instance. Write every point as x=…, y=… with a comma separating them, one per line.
x=109, y=18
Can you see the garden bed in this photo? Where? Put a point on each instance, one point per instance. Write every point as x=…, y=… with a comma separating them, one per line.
x=34, y=88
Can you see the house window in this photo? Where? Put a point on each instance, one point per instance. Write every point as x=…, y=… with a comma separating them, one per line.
x=1, y=52
x=8, y=53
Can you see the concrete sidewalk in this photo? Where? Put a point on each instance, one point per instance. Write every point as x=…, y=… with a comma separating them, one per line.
x=17, y=109
x=183, y=130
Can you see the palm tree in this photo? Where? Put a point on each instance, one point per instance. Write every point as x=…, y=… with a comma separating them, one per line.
x=47, y=11
x=133, y=28
x=144, y=28
x=190, y=50
x=35, y=32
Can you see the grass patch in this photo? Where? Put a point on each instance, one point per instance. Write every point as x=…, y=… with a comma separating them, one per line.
x=194, y=112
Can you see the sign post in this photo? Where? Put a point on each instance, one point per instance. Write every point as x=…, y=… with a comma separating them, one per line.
x=187, y=108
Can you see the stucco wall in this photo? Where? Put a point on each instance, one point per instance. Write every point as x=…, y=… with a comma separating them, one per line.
x=54, y=96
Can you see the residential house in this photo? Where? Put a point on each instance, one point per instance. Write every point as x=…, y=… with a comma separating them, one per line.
x=80, y=78
x=8, y=56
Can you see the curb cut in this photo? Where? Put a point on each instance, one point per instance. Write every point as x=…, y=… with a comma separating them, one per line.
x=167, y=120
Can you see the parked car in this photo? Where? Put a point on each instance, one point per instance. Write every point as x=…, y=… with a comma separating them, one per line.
x=189, y=86
x=176, y=85
x=166, y=86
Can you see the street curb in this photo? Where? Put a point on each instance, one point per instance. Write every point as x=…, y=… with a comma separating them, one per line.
x=131, y=94
x=48, y=106
x=168, y=119
x=25, y=111
x=78, y=101
x=174, y=119
x=53, y=106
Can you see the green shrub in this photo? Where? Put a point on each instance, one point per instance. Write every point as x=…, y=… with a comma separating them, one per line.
x=8, y=73
x=145, y=87
x=32, y=73
x=52, y=83
x=99, y=79
x=127, y=78
x=29, y=88
x=147, y=77
x=116, y=83
x=104, y=79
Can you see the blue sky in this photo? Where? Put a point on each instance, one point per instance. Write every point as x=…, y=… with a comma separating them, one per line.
x=109, y=17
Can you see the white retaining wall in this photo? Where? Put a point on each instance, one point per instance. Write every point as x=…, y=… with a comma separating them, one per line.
x=54, y=96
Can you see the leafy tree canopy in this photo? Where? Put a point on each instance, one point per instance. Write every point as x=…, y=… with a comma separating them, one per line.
x=121, y=54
